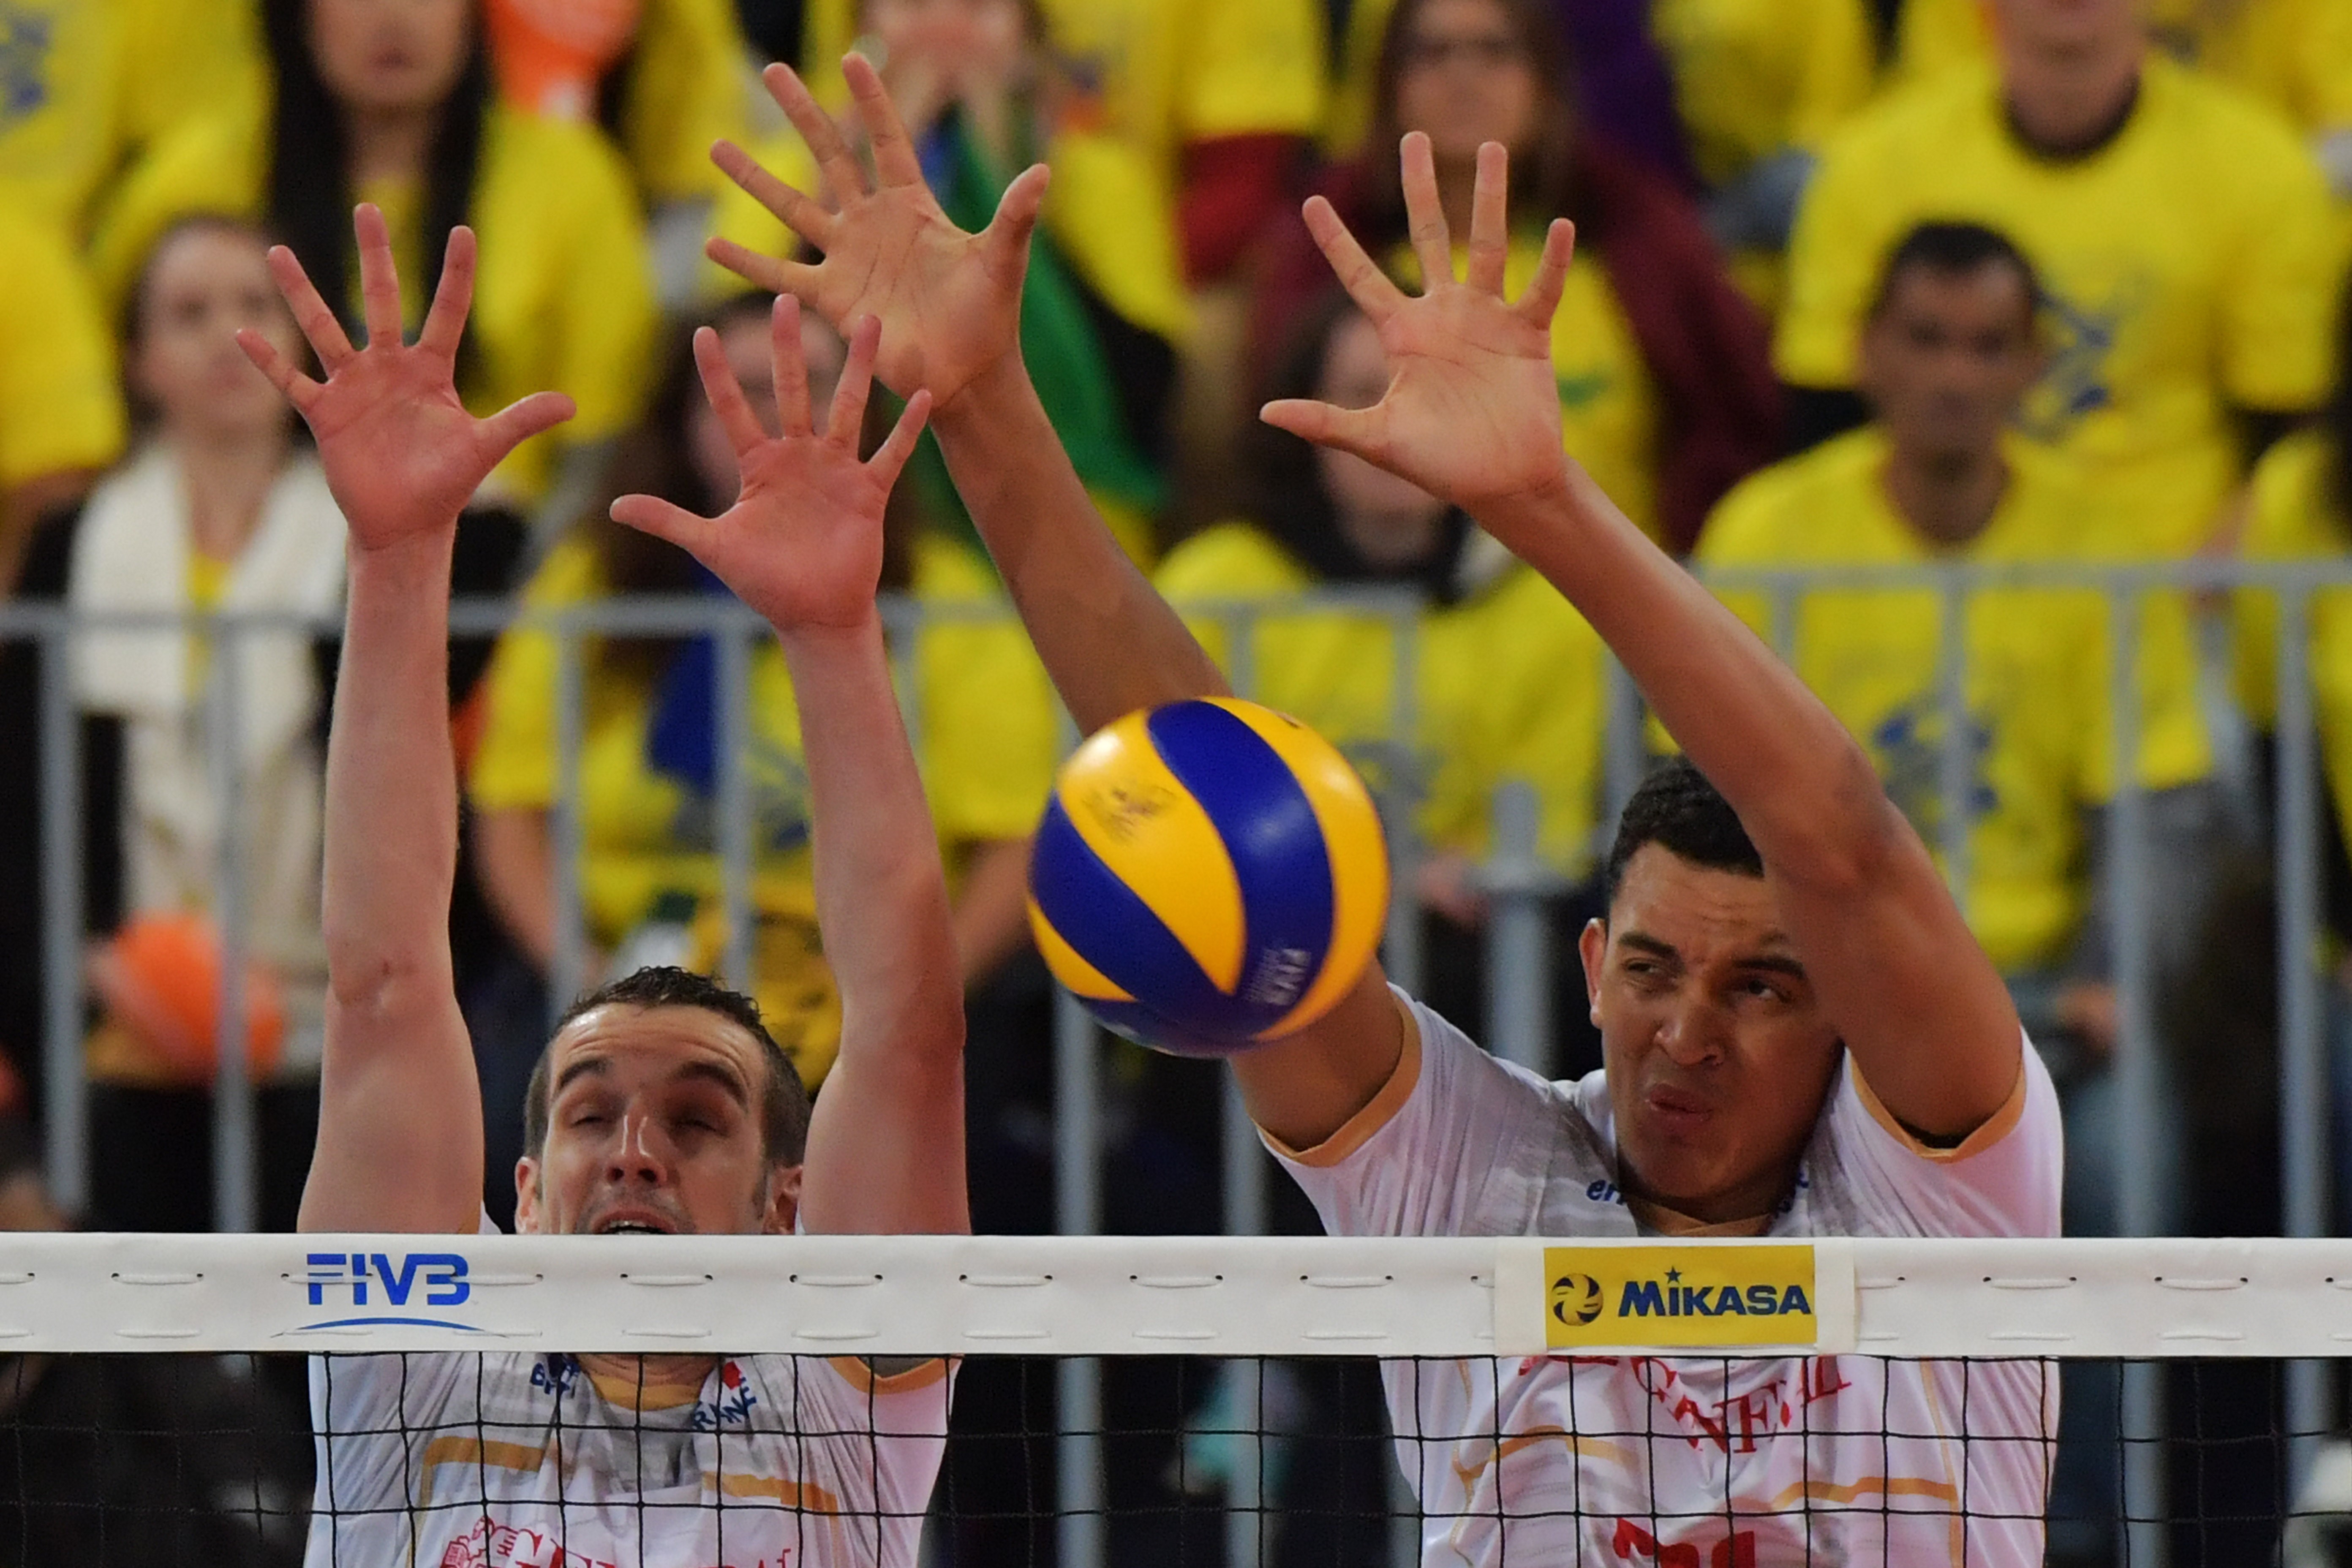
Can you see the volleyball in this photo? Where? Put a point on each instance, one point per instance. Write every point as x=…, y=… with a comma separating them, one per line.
x=1210, y=875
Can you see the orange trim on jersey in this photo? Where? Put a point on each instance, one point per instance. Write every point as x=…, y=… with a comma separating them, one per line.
x=480, y=1451
x=1885, y=1486
x=860, y=1376
x=804, y=1495
x=1608, y=1448
x=1995, y=1127
x=1382, y=1109
x=629, y=1393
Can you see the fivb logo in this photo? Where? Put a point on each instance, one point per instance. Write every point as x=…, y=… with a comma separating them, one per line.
x=376, y=1279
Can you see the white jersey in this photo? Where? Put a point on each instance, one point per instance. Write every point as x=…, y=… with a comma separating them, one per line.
x=503, y=1459
x=1690, y=1462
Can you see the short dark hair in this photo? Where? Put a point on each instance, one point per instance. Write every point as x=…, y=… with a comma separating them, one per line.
x=1954, y=249
x=784, y=1099
x=1678, y=810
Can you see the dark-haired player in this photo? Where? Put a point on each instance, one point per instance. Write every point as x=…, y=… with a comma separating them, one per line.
x=1801, y=1035
x=661, y=1105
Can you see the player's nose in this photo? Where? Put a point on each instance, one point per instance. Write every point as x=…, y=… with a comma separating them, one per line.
x=1690, y=1032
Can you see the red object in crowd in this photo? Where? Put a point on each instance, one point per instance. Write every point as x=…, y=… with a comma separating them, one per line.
x=159, y=976
x=550, y=55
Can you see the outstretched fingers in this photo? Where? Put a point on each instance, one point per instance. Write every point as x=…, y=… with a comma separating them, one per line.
x=817, y=129
x=1425, y=214
x=891, y=456
x=319, y=329
x=1490, y=222
x=296, y=387
x=445, y=323
x=1325, y=424
x=895, y=160
x=1541, y=300
x=510, y=426
x=664, y=519
x=788, y=366
x=849, y=395
x=1016, y=216
x=797, y=279
x=379, y=275
x=797, y=210
x=726, y=393
x=1373, y=291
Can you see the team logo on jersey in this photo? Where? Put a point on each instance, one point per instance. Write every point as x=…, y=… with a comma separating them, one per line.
x=733, y=1406
x=26, y=40
x=369, y=1282
x=1671, y=1296
x=1576, y=1299
x=2084, y=333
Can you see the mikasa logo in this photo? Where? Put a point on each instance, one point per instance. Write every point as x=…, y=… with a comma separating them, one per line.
x=1280, y=976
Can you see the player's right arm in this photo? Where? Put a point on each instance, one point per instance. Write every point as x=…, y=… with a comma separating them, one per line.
x=1471, y=414
x=950, y=306
x=400, y=1138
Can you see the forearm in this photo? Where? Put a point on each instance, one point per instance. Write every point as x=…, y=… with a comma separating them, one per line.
x=1802, y=786
x=1110, y=643
x=392, y=789
x=886, y=1150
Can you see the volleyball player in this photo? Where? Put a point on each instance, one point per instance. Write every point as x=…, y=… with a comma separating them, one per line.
x=661, y=1105
x=1801, y=1035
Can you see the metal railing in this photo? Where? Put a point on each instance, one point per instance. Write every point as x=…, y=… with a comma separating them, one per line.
x=1517, y=879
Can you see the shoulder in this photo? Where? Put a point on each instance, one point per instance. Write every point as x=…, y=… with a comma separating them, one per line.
x=2219, y=120
x=1890, y=134
x=1776, y=513
x=1230, y=559
x=2002, y=1180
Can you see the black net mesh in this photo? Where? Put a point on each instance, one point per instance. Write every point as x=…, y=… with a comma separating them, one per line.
x=781, y=1462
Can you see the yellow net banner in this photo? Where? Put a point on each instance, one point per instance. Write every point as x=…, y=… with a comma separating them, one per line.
x=1554, y=1296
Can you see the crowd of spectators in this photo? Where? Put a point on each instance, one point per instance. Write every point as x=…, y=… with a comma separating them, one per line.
x=1888, y=282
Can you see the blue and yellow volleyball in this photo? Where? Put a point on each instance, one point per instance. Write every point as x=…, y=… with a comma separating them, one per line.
x=1209, y=875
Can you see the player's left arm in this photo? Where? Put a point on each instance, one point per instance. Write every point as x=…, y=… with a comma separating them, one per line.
x=802, y=546
x=1472, y=414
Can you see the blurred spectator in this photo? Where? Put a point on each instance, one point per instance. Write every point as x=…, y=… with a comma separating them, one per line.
x=61, y=409
x=2184, y=237
x=1950, y=344
x=85, y=85
x=650, y=870
x=1760, y=85
x=1666, y=397
x=2294, y=55
x=127, y=1461
x=1218, y=96
x=393, y=104
x=1510, y=682
x=1103, y=308
x=1610, y=65
x=220, y=506
x=665, y=77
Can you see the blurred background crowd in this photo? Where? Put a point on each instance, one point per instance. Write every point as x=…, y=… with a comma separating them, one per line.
x=1878, y=282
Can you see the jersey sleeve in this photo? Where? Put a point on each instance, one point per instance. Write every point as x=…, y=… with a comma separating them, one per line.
x=59, y=409
x=2002, y=1180
x=1431, y=1154
x=889, y=1431
x=2277, y=303
x=1833, y=261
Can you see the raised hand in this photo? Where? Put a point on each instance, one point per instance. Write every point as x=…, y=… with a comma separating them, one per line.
x=1471, y=410
x=949, y=302
x=802, y=544
x=402, y=455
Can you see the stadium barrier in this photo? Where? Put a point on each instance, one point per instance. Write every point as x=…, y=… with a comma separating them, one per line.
x=1517, y=879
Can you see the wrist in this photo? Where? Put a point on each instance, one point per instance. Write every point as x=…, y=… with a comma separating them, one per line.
x=424, y=553
x=830, y=639
x=994, y=387
x=1535, y=509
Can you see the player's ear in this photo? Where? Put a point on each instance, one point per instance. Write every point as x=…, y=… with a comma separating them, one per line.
x=1592, y=947
x=527, y=1190
x=783, y=1210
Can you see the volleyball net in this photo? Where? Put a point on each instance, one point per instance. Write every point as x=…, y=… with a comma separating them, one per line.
x=750, y=1402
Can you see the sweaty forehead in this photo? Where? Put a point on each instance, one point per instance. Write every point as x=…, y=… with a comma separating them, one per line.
x=1696, y=908
x=656, y=1042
